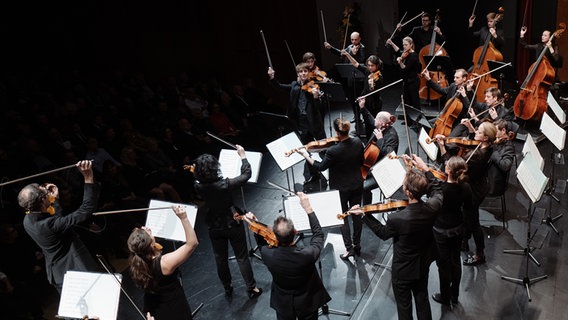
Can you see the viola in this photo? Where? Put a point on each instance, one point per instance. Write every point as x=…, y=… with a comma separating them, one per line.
x=315, y=145
x=371, y=151
x=480, y=57
x=437, y=173
x=389, y=205
x=262, y=230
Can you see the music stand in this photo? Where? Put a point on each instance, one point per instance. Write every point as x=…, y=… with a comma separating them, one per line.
x=440, y=64
x=501, y=74
x=348, y=71
x=419, y=118
x=333, y=91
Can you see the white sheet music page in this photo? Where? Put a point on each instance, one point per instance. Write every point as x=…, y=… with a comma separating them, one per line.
x=530, y=146
x=553, y=132
x=389, y=174
x=165, y=224
x=531, y=177
x=231, y=163
x=431, y=149
x=280, y=146
x=326, y=206
x=89, y=293
x=556, y=108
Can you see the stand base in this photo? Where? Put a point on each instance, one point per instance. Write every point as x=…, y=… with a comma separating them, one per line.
x=524, y=252
x=550, y=221
x=326, y=310
x=526, y=281
x=196, y=310
x=380, y=265
x=252, y=253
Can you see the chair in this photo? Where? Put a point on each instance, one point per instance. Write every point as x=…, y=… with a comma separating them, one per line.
x=501, y=196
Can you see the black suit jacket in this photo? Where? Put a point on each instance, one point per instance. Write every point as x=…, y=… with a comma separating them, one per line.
x=411, y=230
x=500, y=163
x=61, y=246
x=344, y=161
x=388, y=143
x=296, y=285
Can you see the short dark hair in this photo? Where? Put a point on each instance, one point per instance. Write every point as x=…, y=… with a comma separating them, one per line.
x=284, y=231
x=416, y=183
x=206, y=168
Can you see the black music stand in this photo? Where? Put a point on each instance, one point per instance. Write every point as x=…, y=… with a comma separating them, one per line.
x=348, y=71
x=501, y=74
x=333, y=92
x=440, y=64
x=557, y=158
x=419, y=121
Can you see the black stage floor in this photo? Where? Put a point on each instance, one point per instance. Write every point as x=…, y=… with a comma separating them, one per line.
x=361, y=286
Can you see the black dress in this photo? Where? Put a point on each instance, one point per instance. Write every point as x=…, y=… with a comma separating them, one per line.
x=165, y=298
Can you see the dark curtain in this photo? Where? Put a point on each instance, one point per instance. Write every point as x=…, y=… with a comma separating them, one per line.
x=523, y=56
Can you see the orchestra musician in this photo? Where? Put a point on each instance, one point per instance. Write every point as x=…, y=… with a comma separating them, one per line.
x=297, y=290
x=413, y=240
x=344, y=161
x=222, y=221
x=497, y=36
x=478, y=164
x=356, y=49
x=304, y=110
x=545, y=40
x=423, y=34
x=315, y=73
x=502, y=158
x=157, y=274
x=448, y=229
x=372, y=70
x=410, y=68
x=52, y=230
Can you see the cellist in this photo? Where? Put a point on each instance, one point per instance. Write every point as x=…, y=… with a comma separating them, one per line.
x=497, y=37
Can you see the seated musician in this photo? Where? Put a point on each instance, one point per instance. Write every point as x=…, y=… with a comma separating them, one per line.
x=501, y=159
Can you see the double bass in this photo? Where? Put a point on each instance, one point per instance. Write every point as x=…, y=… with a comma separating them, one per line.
x=480, y=57
x=439, y=77
x=531, y=101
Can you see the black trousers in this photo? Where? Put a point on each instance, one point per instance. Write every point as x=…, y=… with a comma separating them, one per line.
x=404, y=290
x=449, y=262
x=349, y=199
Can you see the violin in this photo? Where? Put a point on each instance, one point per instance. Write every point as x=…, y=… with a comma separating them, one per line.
x=262, y=230
x=373, y=78
x=310, y=86
x=315, y=145
x=461, y=142
x=389, y=205
x=437, y=173
x=405, y=54
x=190, y=167
x=317, y=74
x=510, y=136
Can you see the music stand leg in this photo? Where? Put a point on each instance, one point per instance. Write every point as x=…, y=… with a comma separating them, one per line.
x=549, y=191
x=526, y=281
x=325, y=308
x=196, y=310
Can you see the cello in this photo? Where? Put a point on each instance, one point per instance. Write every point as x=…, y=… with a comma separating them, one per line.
x=371, y=151
x=531, y=100
x=439, y=77
x=480, y=57
x=449, y=114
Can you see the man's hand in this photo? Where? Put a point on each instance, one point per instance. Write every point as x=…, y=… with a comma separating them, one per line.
x=271, y=73
x=305, y=202
x=356, y=210
x=86, y=168
x=241, y=152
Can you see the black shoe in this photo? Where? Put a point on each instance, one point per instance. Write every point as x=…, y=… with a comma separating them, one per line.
x=438, y=298
x=229, y=291
x=346, y=255
x=474, y=260
x=357, y=250
x=254, y=294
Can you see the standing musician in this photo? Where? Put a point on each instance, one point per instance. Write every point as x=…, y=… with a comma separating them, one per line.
x=478, y=164
x=344, y=161
x=410, y=68
x=304, y=110
x=413, y=240
x=52, y=230
x=551, y=54
x=423, y=34
x=315, y=74
x=223, y=224
x=297, y=290
x=356, y=49
x=501, y=159
x=158, y=274
x=448, y=230
x=497, y=36
x=372, y=71
x=387, y=142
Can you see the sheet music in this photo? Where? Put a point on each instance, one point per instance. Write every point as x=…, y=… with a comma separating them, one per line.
x=326, y=206
x=556, y=108
x=164, y=222
x=553, y=132
x=89, y=293
x=431, y=149
x=279, y=147
x=389, y=174
x=231, y=163
x=531, y=178
x=530, y=146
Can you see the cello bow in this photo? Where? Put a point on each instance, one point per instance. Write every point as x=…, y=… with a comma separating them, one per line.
x=266, y=49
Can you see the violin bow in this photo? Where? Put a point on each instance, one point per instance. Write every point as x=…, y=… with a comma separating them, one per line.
x=471, y=155
x=128, y=210
x=280, y=187
x=414, y=18
x=380, y=89
x=39, y=174
x=224, y=141
x=406, y=124
x=346, y=29
x=323, y=26
x=486, y=73
x=266, y=48
x=395, y=28
x=290, y=53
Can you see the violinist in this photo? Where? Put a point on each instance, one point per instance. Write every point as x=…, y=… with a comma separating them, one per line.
x=545, y=41
x=410, y=68
x=315, y=74
x=223, y=224
x=502, y=158
x=478, y=164
x=297, y=289
x=493, y=108
x=372, y=70
x=497, y=36
x=413, y=240
x=344, y=161
x=356, y=49
x=423, y=34
x=448, y=229
x=304, y=110
x=52, y=230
